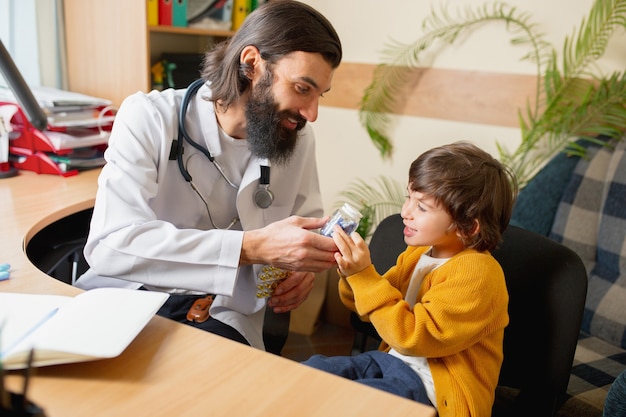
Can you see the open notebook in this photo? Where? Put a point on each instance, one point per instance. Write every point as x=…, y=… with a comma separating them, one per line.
x=95, y=324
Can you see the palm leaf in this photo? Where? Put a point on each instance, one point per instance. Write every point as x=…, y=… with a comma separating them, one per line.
x=575, y=103
x=390, y=78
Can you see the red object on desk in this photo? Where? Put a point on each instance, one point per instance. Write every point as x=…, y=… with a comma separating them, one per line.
x=28, y=147
x=38, y=162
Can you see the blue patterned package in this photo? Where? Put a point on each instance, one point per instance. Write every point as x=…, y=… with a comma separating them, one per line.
x=347, y=217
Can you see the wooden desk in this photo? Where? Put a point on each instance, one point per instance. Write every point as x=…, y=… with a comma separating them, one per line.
x=170, y=369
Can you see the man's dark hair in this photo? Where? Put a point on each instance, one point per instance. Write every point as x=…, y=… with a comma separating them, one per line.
x=276, y=28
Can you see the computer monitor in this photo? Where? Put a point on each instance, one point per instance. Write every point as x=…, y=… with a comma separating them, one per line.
x=22, y=92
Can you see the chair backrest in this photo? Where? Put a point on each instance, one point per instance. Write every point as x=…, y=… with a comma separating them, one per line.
x=387, y=243
x=547, y=285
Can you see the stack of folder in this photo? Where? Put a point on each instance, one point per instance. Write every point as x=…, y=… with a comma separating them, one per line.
x=167, y=12
x=76, y=135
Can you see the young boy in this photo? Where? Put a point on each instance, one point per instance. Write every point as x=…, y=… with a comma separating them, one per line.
x=442, y=309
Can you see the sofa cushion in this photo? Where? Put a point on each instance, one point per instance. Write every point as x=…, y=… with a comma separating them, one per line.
x=538, y=201
x=591, y=219
x=596, y=364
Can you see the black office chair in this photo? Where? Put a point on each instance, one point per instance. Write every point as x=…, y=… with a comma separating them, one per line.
x=547, y=284
x=57, y=250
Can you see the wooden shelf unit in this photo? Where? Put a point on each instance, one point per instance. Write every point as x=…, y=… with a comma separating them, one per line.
x=110, y=47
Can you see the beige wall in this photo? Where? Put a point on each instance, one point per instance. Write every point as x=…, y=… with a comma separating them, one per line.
x=343, y=147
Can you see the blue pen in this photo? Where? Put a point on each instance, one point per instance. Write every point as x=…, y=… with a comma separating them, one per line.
x=30, y=331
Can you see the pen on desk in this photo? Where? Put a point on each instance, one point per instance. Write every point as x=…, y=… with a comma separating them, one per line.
x=27, y=375
x=30, y=331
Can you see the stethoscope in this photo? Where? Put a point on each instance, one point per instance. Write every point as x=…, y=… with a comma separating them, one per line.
x=263, y=196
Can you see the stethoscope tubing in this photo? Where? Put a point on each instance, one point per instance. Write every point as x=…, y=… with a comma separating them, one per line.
x=183, y=135
x=263, y=197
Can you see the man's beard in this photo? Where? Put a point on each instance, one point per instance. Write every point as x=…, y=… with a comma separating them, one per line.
x=267, y=137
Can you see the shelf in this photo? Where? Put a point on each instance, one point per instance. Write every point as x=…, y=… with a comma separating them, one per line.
x=191, y=31
x=117, y=64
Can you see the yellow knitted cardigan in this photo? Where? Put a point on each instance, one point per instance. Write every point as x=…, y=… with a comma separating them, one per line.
x=457, y=323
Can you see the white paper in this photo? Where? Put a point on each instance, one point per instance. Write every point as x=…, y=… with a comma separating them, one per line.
x=99, y=323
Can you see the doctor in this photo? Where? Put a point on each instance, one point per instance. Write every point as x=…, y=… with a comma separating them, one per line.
x=204, y=187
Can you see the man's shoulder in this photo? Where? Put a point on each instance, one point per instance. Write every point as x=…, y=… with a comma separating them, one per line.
x=166, y=101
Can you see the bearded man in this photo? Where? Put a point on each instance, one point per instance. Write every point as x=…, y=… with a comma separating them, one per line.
x=209, y=188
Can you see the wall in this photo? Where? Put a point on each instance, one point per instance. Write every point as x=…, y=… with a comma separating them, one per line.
x=29, y=31
x=18, y=34
x=466, y=72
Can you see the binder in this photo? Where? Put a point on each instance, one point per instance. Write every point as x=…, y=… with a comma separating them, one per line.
x=179, y=13
x=165, y=12
x=241, y=10
x=153, y=12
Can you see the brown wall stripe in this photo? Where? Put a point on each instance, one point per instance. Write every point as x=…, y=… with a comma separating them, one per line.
x=465, y=96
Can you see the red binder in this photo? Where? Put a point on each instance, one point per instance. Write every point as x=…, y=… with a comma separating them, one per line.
x=165, y=12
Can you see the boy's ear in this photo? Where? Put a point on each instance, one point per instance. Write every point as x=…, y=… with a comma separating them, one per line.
x=476, y=228
x=474, y=231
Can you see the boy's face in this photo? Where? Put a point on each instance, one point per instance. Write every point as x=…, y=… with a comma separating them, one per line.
x=428, y=224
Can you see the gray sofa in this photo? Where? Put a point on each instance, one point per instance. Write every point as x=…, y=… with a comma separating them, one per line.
x=581, y=203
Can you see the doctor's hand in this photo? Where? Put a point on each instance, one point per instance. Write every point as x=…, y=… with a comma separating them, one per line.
x=291, y=292
x=292, y=244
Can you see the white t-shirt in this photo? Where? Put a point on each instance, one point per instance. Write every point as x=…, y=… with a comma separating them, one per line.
x=419, y=364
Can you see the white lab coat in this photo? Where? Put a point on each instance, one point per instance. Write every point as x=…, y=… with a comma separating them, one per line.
x=150, y=228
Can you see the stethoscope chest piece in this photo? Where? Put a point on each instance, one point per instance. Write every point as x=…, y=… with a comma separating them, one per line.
x=263, y=196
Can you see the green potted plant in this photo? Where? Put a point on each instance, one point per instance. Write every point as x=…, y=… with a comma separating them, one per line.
x=573, y=100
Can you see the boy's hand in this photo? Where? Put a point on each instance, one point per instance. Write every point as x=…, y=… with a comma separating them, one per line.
x=353, y=255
